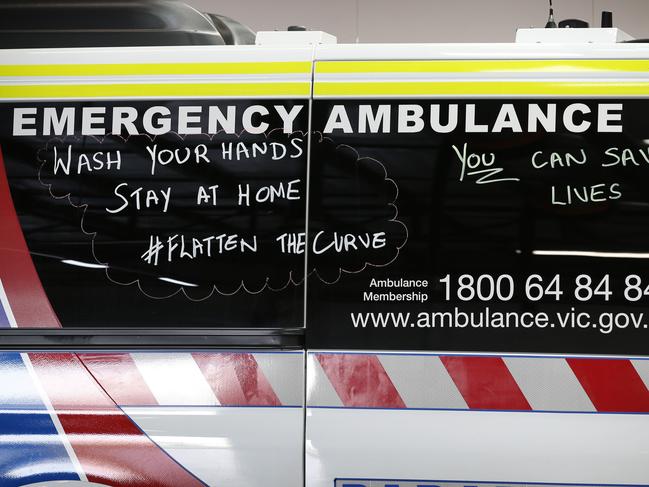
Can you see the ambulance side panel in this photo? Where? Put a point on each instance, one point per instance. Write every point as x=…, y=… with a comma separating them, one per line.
x=119, y=380
x=395, y=398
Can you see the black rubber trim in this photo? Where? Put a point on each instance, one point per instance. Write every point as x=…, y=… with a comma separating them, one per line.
x=147, y=338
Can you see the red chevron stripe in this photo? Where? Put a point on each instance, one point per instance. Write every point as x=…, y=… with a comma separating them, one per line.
x=485, y=383
x=360, y=380
x=28, y=300
x=612, y=385
x=236, y=379
x=110, y=447
x=119, y=377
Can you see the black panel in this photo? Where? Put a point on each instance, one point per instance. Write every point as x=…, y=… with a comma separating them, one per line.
x=177, y=337
x=92, y=258
x=460, y=227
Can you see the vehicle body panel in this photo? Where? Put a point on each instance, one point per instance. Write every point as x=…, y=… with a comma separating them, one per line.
x=136, y=416
x=152, y=418
x=411, y=405
x=397, y=404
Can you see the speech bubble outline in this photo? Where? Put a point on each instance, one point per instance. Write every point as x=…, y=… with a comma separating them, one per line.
x=241, y=284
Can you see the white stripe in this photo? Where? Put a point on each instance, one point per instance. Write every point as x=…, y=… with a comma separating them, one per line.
x=233, y=447
x=151, y=54
x=422, y=382
x=284, y=373
x=549, y=384
x=7, y=307
x=174, y=379
x=642, y=368
x=157, y=78
x=55, y=418
x=166, y=97
x=17, y=388
x=320, y=392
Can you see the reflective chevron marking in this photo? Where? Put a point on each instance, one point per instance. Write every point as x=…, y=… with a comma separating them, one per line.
x=87, y=415
x=360, y=380
x=484, y=382
x=200, y=378
x=174, y=379
x=85, y=411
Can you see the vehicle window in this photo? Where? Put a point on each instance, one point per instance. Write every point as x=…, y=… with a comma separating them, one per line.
x=171, y=221
x=560, y=201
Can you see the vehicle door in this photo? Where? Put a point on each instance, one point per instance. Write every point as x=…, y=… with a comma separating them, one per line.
x=477, y=231
x=152, y=322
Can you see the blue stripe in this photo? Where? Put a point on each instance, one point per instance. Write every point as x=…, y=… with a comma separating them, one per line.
x=489, y=482
x=34, y=452
x=31, y=449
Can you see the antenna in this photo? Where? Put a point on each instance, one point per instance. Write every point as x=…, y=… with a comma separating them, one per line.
x=551, y=24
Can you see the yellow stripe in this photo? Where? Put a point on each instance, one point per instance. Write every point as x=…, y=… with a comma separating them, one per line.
x=482, y=66
x=280, y=67
x=170, y=90
x=426, y=88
